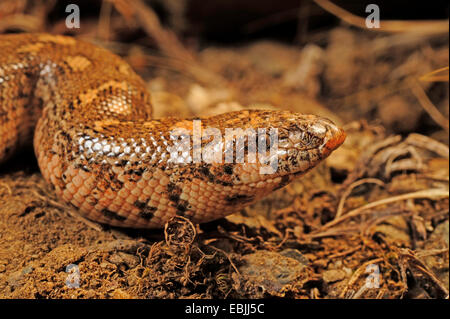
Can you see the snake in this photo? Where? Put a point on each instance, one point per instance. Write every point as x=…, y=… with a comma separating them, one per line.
x=89, y=118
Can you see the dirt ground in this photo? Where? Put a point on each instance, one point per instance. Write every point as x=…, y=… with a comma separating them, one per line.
x=372, y=221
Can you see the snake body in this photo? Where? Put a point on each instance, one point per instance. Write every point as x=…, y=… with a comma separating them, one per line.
x=90, y=119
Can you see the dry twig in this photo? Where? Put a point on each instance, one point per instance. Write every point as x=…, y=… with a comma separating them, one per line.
x=166, y=40
x=357, y=274
x=428, y=106
x=419, y=265
x=349, y=190
x=416, y=26
x=428, y=143
x=432, y=77
x=427, y=193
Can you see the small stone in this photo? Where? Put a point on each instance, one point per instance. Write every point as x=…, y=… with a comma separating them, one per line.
x=271, y=271
x=295, y=254
x=333, y=275
x=438, y=263
x=320, y=263
x=394, y=233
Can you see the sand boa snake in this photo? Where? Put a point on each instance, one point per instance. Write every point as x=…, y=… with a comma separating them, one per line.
x=95, y=140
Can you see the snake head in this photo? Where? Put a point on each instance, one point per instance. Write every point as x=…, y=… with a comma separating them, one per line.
x=304, y=141
x=291, y=144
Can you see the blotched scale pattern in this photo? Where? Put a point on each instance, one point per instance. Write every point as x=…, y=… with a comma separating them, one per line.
x=90, y=118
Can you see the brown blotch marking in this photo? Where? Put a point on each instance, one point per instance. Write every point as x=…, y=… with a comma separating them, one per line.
x=239, y=199
x=122, y=163
x=112, y=215
x=223, y=183
x=137, y=171
x=77, y=63
x=204, y=171
x=228, y=169
x=182, y=207
x=218, y=175
x=115, y=184
x=146, y=211
x=140, y=204
x=174, y=198
x=174, y=193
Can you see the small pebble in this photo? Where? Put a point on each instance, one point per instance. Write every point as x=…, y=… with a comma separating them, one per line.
x=333, y=275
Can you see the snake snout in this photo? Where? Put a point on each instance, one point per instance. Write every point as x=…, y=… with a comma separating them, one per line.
x=334, y=137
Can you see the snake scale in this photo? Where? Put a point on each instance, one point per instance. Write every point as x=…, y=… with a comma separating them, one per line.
x=90, y=119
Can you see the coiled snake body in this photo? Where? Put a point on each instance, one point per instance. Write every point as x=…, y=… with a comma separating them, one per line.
x=97, y=144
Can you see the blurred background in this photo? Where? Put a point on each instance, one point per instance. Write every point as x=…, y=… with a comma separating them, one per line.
x=294, y=54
